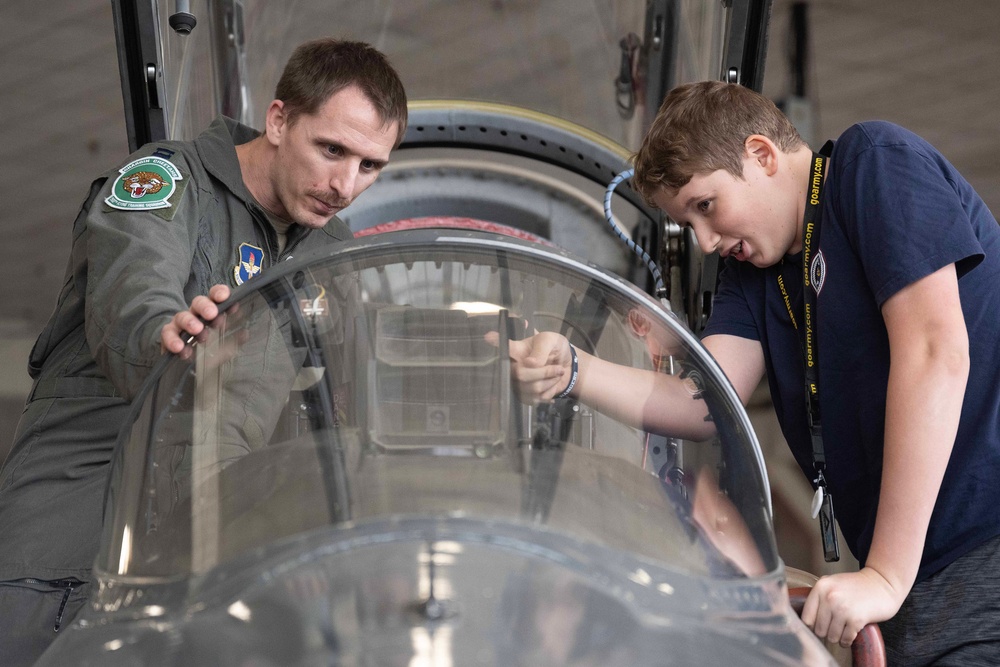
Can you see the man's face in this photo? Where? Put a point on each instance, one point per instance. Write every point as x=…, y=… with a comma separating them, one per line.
x=327, y=158
x=751, y=219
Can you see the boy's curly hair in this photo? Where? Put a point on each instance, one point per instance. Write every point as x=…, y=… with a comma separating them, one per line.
x=702, y=127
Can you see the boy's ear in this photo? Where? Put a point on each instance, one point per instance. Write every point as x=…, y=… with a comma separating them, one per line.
x=762, y=150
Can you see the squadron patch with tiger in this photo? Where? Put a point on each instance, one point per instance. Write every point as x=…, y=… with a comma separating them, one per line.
x=144, y=184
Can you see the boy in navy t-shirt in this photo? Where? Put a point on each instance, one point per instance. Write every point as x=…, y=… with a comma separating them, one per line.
x=901, y=338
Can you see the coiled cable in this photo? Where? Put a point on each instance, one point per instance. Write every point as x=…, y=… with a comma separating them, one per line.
x=633, y=246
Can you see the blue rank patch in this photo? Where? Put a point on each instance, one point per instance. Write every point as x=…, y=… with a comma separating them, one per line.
x=250, y=263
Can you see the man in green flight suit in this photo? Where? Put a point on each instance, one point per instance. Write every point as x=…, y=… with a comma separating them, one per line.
x=158, y=243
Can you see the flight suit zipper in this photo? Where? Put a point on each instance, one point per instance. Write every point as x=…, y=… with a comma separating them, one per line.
x=67, y=584
x=295, y=234
x=264, y=227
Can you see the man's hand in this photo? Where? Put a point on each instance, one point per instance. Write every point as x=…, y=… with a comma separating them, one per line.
x=840, y=605
x=192, y=321
x=540, y=365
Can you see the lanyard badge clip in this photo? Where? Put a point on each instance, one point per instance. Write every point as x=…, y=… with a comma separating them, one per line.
x=822, y=506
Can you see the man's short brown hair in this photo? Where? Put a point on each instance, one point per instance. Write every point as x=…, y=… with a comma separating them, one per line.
x=323, y=67
x=702, y=127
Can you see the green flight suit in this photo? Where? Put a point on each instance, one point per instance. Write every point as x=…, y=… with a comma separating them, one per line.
x=129, y=272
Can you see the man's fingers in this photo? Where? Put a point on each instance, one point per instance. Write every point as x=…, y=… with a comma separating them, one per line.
x=170, y=338
x=203, y=307
x=219, y=293
x=176, y=332
x=191, y=322
x=189, y=325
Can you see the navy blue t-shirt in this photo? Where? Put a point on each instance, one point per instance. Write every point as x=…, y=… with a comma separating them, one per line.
x=893, y=211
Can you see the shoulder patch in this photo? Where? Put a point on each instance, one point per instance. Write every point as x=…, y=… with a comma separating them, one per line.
x=144, y=184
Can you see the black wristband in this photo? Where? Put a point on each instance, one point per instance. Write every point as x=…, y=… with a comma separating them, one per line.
x=574, y=373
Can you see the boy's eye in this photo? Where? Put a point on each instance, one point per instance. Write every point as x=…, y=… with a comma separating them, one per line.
x=703, y=206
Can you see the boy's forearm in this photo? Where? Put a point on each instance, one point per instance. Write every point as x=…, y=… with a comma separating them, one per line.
x=646, y=399
x=924, y=403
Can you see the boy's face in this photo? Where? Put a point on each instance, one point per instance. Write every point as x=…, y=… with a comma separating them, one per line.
x=751, y=219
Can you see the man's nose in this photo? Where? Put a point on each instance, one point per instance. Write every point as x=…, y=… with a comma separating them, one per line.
x=343, y=178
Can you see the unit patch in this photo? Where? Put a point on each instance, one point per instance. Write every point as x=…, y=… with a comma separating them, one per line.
x=144, y=184
x=817, y=271
x=249, y=264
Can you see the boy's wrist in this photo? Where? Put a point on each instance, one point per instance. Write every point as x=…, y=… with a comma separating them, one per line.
x=573, y=375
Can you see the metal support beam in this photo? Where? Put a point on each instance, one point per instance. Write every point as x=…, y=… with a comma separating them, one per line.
x=229, y=51
x=659, y=51
x=137, y=38
x=746, y=43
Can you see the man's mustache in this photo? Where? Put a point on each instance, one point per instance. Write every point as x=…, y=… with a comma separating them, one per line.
x=331, y=200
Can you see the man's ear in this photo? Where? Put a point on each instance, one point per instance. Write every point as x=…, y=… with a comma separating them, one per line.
x=275, y=122
x=763, y=151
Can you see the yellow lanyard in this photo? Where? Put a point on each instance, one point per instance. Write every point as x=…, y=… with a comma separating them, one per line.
x=812, y=275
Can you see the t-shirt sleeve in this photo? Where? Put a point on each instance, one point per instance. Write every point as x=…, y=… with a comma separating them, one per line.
x=731, y=312
x=904, y=216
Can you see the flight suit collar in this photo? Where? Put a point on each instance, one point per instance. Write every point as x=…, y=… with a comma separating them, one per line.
x=217, y=148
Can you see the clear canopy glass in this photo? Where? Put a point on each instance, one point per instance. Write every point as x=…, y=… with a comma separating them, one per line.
x=372, y=384
x=560, y=57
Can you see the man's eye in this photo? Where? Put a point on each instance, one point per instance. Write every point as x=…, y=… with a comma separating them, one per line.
x=368, y=165
x=333, y=150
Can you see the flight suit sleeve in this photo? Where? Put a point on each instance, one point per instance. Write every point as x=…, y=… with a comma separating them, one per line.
x=142, y=233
